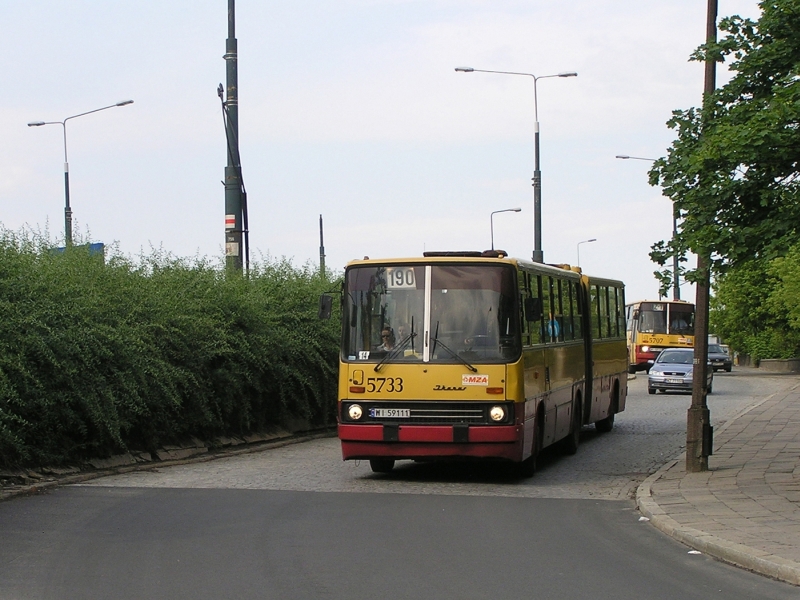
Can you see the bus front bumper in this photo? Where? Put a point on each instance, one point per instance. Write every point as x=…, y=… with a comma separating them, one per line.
x=430, y=441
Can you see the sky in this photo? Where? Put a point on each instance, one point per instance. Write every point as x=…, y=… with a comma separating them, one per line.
x=352, y=109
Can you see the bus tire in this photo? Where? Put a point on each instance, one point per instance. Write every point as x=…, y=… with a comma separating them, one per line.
x=632, y=369
x=527, y=468
x=607, y=424
x=381, y=465
x=570, y=444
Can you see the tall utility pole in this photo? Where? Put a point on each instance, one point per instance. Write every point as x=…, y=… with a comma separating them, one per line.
x=233, y=183
x=321, y=250
x=699, y=433
x=676, y=284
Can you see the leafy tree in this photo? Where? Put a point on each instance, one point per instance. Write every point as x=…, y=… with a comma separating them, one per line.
x=785, y=299
x=733, y=170
x=743, y=312
x=756, y=307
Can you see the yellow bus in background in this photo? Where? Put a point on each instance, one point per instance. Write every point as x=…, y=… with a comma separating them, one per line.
x=476, y=355
x=655, y=325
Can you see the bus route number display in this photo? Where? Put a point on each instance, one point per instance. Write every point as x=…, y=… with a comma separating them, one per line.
x=400, y=278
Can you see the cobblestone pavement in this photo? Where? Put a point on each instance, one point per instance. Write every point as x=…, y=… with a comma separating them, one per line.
x=746, y=508
x=649, y=433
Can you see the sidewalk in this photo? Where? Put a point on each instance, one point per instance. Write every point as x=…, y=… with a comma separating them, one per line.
x=745, y=509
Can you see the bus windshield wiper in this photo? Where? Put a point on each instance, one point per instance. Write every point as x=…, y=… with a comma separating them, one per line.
x=394, y=352
x=438, y=342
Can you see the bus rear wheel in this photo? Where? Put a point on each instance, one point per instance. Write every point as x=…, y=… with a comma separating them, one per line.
x=607, y=424
x=381, y=465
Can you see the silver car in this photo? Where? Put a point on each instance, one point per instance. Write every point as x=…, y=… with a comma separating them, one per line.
x=672, y=371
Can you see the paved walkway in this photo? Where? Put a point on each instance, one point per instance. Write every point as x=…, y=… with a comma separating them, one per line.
x=746, y=508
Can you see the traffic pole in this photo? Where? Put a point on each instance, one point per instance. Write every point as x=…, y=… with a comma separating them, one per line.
x=699, y=433
x=233, y=184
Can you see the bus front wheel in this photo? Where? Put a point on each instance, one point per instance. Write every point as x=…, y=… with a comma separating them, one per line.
x=527, y=468
x=570, y=443
x=381, y=465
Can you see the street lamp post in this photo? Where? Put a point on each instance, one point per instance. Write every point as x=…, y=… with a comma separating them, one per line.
x=579, y=248
x=676, y=290
x=491, y=219
x=67, y=208
x=538, y=255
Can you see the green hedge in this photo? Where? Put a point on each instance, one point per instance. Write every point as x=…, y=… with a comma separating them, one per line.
x=99, y=357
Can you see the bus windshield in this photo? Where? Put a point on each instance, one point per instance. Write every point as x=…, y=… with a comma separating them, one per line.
x=472, y=313
x=666, y=318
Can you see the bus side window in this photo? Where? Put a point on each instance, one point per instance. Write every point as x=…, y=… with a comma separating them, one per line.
x=532, y=307
x=619, y=313
x=558, y=311
x=595, y=311
x=577, y=310
x=524, y=298
x=614, y=299
x=566, y=298
x=547, y=309
x=605, y=313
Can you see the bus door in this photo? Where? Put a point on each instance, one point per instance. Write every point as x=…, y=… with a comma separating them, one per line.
x=535, y=375
x=585, y=306
x=558, y=392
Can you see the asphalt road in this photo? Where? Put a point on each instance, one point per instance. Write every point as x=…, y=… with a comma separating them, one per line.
x=296, y=522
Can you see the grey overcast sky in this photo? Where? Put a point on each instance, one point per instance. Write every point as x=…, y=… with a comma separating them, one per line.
x=352, y=109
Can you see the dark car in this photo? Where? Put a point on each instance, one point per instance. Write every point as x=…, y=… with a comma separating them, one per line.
x=672, y=371
x=719, y=358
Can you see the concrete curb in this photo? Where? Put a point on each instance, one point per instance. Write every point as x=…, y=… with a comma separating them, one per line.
x=737, y=554
x=247, y=448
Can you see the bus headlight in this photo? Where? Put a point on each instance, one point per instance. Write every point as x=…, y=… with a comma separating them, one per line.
x=354, y=411
x=497, y=414
x=645, y=348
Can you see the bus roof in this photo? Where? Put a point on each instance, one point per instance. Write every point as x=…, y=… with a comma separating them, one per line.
x=467, y=257
x=664, y=301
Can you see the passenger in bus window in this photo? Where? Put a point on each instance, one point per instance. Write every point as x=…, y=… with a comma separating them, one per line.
x=403, y=332
x=387, y=340
x=679, y=323
x=553, y=328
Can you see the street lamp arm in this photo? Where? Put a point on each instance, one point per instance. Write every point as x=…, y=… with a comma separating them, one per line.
x=579, y=248
x=676, y=289
x=626, y=157
x=122, y=103
x=471, y=70
x=491, y=219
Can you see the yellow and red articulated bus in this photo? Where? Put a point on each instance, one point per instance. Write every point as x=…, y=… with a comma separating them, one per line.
x=470, y=354
x=654, y=326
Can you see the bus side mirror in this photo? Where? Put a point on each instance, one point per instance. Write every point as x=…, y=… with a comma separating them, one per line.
x=635, y=316
x=533, y=309
x=325, y=305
